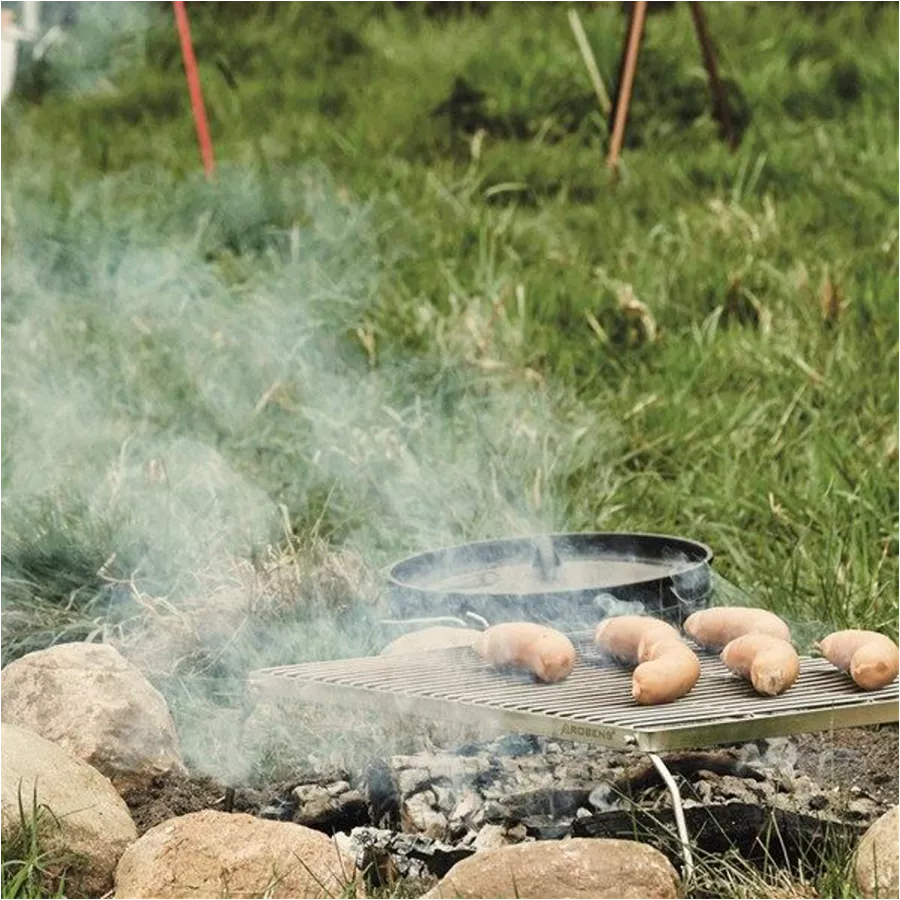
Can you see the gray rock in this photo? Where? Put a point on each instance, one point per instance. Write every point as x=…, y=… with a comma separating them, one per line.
x=466, y=806
x=604, y=799
x=314, y=804
x=403, y=855
x=863, y=808
x=517, y=833
x=494, y=812
x=445, y=798
x=577, y=867
x=417, y=814
x=217, y=854
x=410, y=781
x=318, y=806
x=876, y=861
x=85, y=826
x=96, y=705
x=442, y=766
x=489, y=837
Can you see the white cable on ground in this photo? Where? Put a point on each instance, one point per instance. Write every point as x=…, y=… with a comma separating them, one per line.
x=680, y=823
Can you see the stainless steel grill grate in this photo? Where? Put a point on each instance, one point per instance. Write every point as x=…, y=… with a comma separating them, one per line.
x=593, y=704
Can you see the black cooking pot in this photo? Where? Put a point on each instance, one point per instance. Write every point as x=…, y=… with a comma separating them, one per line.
x=567, y=580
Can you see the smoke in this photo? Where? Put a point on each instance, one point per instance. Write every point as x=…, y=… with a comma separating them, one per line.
x=608, y=605
x=192, y=401
x=83, y=47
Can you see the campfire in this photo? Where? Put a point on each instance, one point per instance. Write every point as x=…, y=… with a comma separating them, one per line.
x=578, y=757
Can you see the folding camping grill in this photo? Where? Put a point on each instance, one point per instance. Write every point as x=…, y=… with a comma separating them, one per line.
x=593, y=704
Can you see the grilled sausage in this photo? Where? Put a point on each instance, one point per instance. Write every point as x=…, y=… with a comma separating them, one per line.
x=714, y=628
x=872, y=658
x=771, y=664
x=668, y=671
x=621, y=636
x=840, y=646
x=437, y=637
x=545, y=653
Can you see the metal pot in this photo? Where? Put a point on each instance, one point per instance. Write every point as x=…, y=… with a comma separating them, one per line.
x=568, y=580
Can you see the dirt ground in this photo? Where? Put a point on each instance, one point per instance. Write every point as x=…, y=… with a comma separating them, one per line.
x=855, y=758
x=177, y=795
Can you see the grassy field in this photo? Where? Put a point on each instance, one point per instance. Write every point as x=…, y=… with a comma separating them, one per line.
x=414, y=309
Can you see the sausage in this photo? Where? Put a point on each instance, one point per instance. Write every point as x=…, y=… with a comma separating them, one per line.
x=872, y=658
x=668, y=671
x=438, y=637
x=714, y=628
x=838, y=648
x=875, y=665
x=621, y=636
x=771, y=664
x=545, y=653
x=667, y=668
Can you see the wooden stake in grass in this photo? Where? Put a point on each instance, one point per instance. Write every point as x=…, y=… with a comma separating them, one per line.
x=590, y=62
x=196, y=91
x=720, y=99
x=623, y=101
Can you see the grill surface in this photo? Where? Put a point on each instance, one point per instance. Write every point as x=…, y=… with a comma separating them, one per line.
x=593, y=704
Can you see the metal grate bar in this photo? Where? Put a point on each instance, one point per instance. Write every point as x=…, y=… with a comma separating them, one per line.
x=594, y=703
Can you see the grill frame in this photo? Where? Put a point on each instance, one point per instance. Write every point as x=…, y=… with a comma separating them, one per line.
x=454, y=684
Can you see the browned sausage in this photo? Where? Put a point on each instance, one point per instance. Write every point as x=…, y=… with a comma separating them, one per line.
x=668, y=672
x=546, y=653
x=714, y=628
x=435, y=638
x=621, y=636
x=872, y=658
x=771, y=664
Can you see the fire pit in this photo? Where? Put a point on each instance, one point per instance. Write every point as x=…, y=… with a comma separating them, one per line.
x=592, y=705
x=572, y=581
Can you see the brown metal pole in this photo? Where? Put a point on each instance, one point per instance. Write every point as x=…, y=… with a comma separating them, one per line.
x=626, y=82
x=721, y=109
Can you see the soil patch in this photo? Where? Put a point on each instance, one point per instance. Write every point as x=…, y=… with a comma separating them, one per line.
x=862, y=760
x=174, y=795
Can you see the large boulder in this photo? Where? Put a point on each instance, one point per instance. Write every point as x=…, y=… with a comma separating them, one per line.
x=578, y=867
x=83, y=825
x=217, y=854
x=91, y=701
x=878, y=857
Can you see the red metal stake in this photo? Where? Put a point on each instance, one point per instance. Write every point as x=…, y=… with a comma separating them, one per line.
x=193, y=79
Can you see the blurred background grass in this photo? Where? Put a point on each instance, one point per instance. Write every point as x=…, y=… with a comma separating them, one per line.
x=414, y=308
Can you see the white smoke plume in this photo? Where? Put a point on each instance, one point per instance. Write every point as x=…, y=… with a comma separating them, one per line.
x=189, y=383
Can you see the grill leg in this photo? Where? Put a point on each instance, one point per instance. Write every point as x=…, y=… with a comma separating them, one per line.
x=680, y=824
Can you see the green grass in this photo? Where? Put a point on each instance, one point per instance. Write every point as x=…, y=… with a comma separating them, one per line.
x=415, y=309
x=28, y=868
